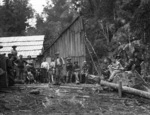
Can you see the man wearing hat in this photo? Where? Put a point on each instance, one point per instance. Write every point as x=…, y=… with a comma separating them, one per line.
x=76, y=69
x=59, y=68
x=69, y=69
x=14, y=52
x=116, y=68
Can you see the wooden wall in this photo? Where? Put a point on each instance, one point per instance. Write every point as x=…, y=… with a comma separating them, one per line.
x=70, y=43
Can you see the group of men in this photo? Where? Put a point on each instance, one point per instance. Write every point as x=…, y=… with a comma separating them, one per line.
x=21, y=67
x=114, y=67
x=56, y=67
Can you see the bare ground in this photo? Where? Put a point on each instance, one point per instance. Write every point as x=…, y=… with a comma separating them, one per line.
x=69, y=100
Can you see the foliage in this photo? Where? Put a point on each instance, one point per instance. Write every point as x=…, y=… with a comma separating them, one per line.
x=57, y=16
x=14, y=16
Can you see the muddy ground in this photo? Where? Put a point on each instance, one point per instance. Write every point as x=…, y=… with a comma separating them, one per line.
x=41, y=99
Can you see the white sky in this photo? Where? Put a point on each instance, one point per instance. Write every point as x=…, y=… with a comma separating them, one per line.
x=38, y=5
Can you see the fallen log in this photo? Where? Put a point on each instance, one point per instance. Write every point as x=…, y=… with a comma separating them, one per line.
x=127, y=89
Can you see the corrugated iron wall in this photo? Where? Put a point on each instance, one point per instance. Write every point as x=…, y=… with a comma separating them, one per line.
x=70, y=43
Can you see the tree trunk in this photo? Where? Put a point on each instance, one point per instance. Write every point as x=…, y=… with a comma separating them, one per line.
x=127, y=89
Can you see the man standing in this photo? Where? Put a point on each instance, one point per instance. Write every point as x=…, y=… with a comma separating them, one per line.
x=45, y=69
x=69, y=69
x=85, y=71
x=52, y=70
x=76, y=71
x=59, y=68
x=20, y=63
x=14, y=52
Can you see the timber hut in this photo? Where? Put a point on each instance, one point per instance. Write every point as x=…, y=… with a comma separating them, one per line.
x=70, y=43
x=26, y=45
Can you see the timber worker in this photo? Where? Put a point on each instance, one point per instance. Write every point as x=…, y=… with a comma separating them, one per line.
x=116, y=68
x=137, y=62
x=52, y=70
x=14, y=52
x=76, y=69
x=20, y=63
x=59, y=68
x=44, y=69
x=69, y=69
x=85, y=70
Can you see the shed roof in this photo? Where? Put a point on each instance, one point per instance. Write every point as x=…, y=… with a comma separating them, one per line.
x=26, y=45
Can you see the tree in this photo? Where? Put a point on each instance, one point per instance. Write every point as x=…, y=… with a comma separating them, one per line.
x=58, y=17
x=14, y=16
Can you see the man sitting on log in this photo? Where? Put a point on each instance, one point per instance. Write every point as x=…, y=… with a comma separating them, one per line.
x=115, y=68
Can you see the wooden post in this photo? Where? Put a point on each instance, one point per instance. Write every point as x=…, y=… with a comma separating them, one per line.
x=120, y=89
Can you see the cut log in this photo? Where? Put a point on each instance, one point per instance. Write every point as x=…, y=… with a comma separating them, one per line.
x=127, y=89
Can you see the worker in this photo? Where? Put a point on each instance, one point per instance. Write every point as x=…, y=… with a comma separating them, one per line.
x=85, y=71
x=30, y=70
x=116, y=68
x=69, y=69
x=45, y=70
x=14, y=52
x=76, y=69
x=59, y=68
x=52, y=70
x=20, y=63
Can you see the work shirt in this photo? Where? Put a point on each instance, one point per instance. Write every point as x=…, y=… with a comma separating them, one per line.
x=14, y=52
x=52, y=64
x=45, y=65
x=30, y=62
x=59, y=62
x=85, y=68
x=69, y=66
x=20, y=63
x=76, y=68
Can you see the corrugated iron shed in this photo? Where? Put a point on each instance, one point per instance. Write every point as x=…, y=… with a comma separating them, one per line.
x=26, y=45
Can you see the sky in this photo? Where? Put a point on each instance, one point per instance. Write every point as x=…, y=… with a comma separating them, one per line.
x=38, y=5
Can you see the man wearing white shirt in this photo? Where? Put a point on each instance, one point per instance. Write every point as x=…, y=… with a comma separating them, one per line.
x=45, y=69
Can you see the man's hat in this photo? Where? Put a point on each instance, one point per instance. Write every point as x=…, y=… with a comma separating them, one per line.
x=14, y=46
x=57, y=53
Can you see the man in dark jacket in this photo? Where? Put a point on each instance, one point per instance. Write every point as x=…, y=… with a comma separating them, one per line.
x=59, y=68
x=69, y=69
x=20, y=64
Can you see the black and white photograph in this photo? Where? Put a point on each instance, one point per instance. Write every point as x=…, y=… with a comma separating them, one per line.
x=74, y=57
